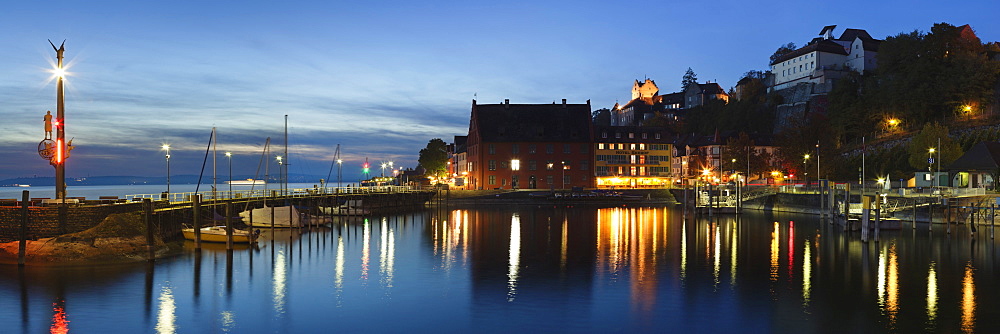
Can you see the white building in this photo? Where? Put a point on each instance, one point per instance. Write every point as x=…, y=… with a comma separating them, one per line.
x=825, y=59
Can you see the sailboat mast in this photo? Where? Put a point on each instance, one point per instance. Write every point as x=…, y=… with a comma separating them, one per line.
x=215, y=174
x=285, y=185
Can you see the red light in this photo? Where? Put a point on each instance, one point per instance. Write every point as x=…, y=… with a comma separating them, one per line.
x=59, y=151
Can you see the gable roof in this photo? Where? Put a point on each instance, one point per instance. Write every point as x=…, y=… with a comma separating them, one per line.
x=983, y=157
x=532, y=122
x=825, y=45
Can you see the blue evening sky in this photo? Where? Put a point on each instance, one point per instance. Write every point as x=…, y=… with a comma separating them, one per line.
x=380, y=78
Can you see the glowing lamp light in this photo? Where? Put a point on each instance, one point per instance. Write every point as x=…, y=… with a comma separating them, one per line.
x=59, y=151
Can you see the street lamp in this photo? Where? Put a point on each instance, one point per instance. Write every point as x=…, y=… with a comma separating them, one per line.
x=805, y=174
x=230, y=156
x=564, y=168
x=166, y=148
x=383, y=168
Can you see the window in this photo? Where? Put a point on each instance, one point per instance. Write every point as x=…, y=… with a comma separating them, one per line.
x=566, y=148
x=643, y=135
x=618, y=134
x=503, y=182
x=604, y=134
x=515, y=148
x=548, y=179
x=567, y=179
x=584, y=165
x=493, y=165
x=600, y=146
x=515, y=164
x=631, y=135
x=493, y=179
x=531, y=149
x=549, y=165
x=532, y=165
x=470, y=166
x=549, y=148
x=657, y=136
x=492, y=149
x=503, y=164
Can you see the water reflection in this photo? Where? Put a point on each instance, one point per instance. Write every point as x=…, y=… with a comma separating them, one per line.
x=366, y=236
x=59, y=323
x=166, y=317
x=278, y=280
x=932, y=297
x=514, y=256
x=888, y=283
x=806, y=273
x=228, y=320
x=774, y=253
x=968, y=301
x=338, y=276
x=387, y=251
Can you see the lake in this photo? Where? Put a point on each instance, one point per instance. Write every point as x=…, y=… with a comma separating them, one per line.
x=534, y=268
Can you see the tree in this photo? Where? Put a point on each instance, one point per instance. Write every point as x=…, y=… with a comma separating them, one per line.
x=781, y=51
x=740, y=148
x=434, y=157
x=689, y=79
x=928, y=137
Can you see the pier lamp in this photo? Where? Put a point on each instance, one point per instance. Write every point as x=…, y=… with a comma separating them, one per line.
x=340, y=166
x=384, y=165
x=281, y=177
x=805, y=173
x=166, y=148
x=230, y=156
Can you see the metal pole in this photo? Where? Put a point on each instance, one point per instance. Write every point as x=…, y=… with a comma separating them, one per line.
x=22, y=244
x=61, y=128
x=196, y=208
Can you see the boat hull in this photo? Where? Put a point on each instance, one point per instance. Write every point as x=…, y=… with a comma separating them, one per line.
x=218, y=234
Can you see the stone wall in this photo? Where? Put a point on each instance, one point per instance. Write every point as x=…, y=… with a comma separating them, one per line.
x=43, y=222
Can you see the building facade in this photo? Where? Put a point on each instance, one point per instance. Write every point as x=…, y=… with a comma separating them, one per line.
x=825, y=59
x=632, y=157
x=529, y=146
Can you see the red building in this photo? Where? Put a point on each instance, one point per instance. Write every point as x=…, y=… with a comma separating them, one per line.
x=530, y=146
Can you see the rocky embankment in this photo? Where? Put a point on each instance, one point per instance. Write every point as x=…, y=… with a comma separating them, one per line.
x=120, y=238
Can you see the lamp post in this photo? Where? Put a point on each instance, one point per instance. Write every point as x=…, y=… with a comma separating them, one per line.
x=383, y=168
x=230, y=156
x=805, y=174
x=61, y=152
x=930, y=164
x=166, y=148
x=564, y=175
x=281, y=177
x=340, y=166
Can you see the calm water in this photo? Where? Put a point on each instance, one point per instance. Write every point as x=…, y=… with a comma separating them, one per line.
x=534, y=269
x=95, y=192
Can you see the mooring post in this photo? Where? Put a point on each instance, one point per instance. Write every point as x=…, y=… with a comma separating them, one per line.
x=147, y=206
x=22, y=245
x=878, y=215
x=947, y=214
x=993, y=219
x=274, y=195
x=229, y=226
x=196, y=218
x=913, y=223
x=865, y=212
x=847, y=206
x=930, y=216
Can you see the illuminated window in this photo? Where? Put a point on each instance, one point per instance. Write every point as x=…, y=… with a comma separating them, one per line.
x=493, y=165
x=600, y=146
x=493, y=179
x=515, y=164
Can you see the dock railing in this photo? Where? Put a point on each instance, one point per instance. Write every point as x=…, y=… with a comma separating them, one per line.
x=209, y=195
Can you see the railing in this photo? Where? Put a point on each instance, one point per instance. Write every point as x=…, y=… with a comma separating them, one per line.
x=260, y=193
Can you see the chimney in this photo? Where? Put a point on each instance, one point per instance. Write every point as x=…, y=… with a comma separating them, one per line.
x=506, y=103
x=564, y=103
x=588, y=102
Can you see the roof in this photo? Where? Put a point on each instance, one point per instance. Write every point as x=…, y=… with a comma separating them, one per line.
x=711, y=88
x=825, y=45
x=532, y=122
x=983, y=157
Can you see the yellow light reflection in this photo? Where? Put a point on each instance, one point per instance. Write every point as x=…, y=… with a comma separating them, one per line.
x=565, y=242
x=629, y=245
x=880, y=284
x=278, y=279
x=774, y=253
x=166, y=317
x=59, y=323
x=968, y=301
x=715, y=253
x=892, y=288
x=514, y=259
x=733, y=250
x=806, y=273
x=932, y=296
x=684, y=250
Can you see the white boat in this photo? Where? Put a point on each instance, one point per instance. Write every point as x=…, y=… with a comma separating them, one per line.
x=23, y=185
x=282, y=217
x=247, y=182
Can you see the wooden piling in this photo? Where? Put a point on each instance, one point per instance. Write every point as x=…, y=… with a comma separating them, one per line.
x=229, y=226
x=22, y=244
x=196, y=210
x=147, y=206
